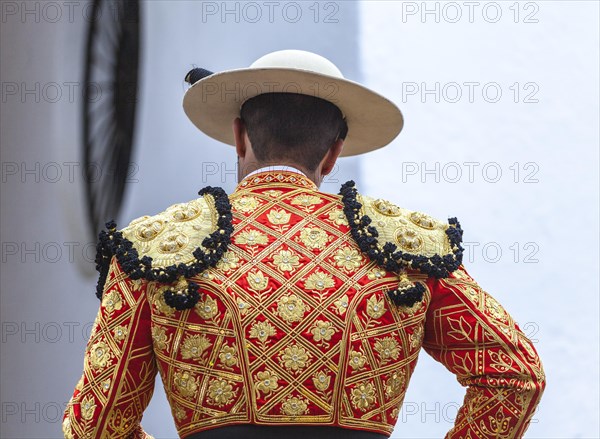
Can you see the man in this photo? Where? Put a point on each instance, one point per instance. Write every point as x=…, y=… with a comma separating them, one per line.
x=283, y=311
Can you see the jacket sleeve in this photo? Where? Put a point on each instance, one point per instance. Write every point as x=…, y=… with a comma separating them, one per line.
x=119, y=365
x=471, y=334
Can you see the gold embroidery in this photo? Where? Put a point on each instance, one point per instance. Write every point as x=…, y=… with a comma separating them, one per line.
x=160, y=338
x=161, y=306
x=319, y=281
x=185, y=212
x=120, y=333
x=338, y=217
x=408, y=239
x=228, y=262
x=306, y=200
x=321, y=381
x=243, y=307
x=273, y=193
x=290, y=308
x=87, y=407
x=173, y=242
x=363, y=396
x=262, y=331
x=348, y=259
x=149, y=229
x=294, y=358
x=416, y=338
x=194, y=346
x=386, y=208
x=376, y=273
x=251, y=237
x=394, y=384
x=322, y=331
x=266, y=381
x=207, y=308
x=106, y=385
x=179, y=412
x=221, y=392
x=186, y=384
x=245, y=204
x=99, y=355
x=357, y=360
x=314, y=237
x=341, y=304
x=278, y=217
x=375, y=308
x=387, y=348
x=294, y=406
x=227, y=355
x=257, y=281
x=422, y=220
x=112, y=301
x=286, y=260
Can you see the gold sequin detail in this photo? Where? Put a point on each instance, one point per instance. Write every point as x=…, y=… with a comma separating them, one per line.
x=112, y=301
x=266, y=381
x=422, y=220
x=313, y=237
x=262, y=331
x=319, y=281
x=159, y=337
x=306, y=200
x=341, y=305
x=338, y=217
x=357, y=360
x=245, y=204
x=120, y=333
x=386, y=208
x=99, y=355
x=387, y=348
x=294, y=357
x=294, y=406
x=228, y=262
x=87, y=407
x=186, y=384
x=207, y=308
x=375, y=307
x=321, y=381
x=227, y=355
x=257, y=281
x=322, y=331
x=348, y=259
x=194, y=346
x=408, y=239
x=220, y=392
x=363, y=396
x=286, y=260
x=251, y=237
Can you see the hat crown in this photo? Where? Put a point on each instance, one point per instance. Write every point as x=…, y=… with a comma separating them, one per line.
x=298, y=59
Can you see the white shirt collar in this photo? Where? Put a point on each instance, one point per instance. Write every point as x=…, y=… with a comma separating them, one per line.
x=276, y=168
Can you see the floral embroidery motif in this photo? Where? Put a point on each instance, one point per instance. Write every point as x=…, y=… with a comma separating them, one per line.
x=357, y=360
x=319, y=281
x=363, y=396
x=416, y=337
x=149, y=229
x=348, y=258
x=245, y=204
x=338, y=217
x=220, y=392
x=375, y=307
x=393, y=385
x=273, y=193
x=179, y=412
x=422, y=220
x=106, y=385
x=278, y=217
x=494, y=309
x=257, y=281
x=341, y=305
x=286, y=260
x=99, y=355
x=376, y=273
x=173, y=242
x=186, y=384
x=251, y=237
x=387, y=348
x=87, y=407
x=207, y=308
x=228, y=262
x=306, y=200
x=194, y=346
x=294, y=406
x=112, y=301
x=262, y=331
x=321, y=381
x=313, y=238
x=227, y=355
x=120, y=333
x=294, y=357
x=160, y=338
x=243, y=307
x=291, y=308
x=266, y=381
x=322, y=331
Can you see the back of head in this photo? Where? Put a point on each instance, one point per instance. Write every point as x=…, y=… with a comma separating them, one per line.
x=292, y=128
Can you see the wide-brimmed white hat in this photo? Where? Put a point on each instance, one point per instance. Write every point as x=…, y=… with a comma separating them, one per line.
x=214, y=101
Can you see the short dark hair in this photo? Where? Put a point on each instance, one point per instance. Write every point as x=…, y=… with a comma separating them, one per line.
x=292, y=126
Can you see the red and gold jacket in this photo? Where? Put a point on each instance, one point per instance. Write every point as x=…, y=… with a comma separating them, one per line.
x=284, y=305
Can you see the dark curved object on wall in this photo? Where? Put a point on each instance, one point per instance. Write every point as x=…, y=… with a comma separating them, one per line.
x=110, y=92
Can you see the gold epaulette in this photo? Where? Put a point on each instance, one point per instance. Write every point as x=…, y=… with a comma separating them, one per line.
x=413, y=232
x=170, y=247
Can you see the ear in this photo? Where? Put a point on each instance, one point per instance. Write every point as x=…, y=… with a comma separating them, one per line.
x=331, y=157
x=239, y=133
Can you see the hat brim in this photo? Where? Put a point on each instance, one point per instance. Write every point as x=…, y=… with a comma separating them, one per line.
x=214, y=102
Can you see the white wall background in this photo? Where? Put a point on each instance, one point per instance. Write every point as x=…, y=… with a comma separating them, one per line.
x=46, y=302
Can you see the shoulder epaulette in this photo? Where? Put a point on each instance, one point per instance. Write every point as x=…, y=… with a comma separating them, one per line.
x=409, y=240
x=172, y=246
